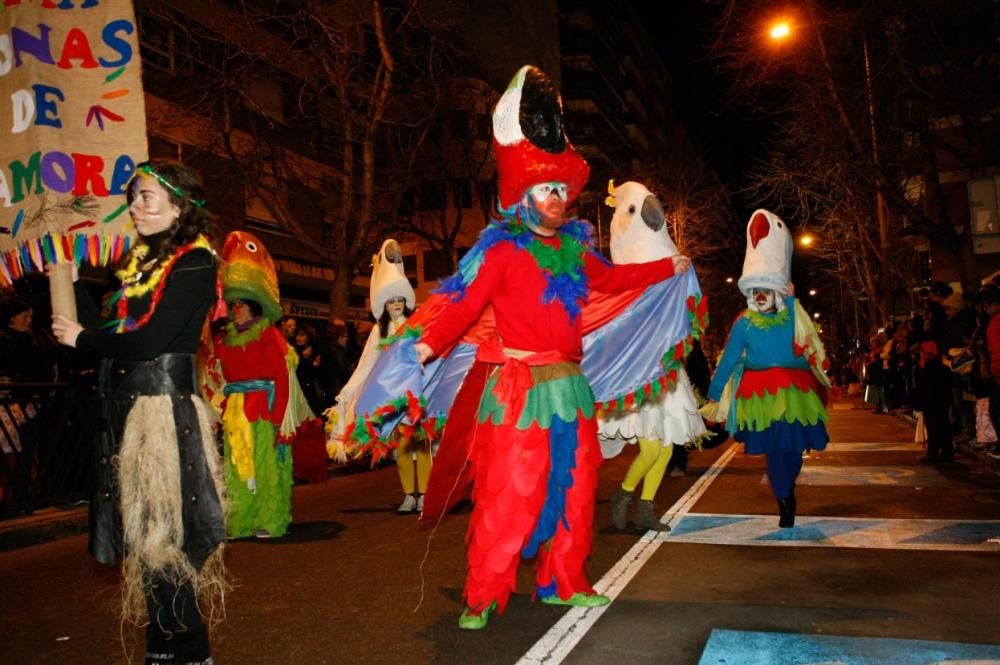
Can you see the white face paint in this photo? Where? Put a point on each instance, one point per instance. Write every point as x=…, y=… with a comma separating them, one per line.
x=395, y=308
x=550, y=200
x=763, y=299
x=151, y=208
x=544, y=190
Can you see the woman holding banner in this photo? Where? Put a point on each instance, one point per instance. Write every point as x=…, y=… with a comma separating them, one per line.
x=161, y=505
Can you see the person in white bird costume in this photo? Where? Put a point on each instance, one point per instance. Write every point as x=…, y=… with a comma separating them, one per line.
x=770, y=386
x=392, y=301
x=639, y=235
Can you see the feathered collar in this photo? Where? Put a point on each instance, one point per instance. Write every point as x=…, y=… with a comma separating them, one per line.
x=562, y=263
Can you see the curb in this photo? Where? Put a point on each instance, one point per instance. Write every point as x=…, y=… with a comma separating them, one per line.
x=43, y=526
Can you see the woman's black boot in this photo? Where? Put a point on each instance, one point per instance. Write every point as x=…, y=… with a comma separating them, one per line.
x=786, y=510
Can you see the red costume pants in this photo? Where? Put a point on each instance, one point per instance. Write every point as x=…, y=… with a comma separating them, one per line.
x=511, y=483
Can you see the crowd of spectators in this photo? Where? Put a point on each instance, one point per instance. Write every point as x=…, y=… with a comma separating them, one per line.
x=326, y=361
x=30, y=355
x=942, y=366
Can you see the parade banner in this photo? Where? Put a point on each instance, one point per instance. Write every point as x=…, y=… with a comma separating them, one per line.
x=72, y=129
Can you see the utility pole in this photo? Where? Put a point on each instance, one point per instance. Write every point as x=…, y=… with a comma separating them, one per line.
x=880, y=213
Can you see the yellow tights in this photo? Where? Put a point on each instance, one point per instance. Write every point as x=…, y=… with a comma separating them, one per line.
x=649, y=466
x=411, y=469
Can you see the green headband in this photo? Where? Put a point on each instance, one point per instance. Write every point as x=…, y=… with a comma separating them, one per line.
x=178, y=192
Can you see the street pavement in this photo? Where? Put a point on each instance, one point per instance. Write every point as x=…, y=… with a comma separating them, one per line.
x=890, y=562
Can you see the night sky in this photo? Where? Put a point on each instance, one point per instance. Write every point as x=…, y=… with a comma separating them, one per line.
x=728, y=135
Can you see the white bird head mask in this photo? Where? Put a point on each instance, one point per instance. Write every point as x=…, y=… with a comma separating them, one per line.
x=638, y=227
x=768, y=261
x=389, y=278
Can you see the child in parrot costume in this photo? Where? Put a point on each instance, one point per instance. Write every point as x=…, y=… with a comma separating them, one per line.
x=392, y=301
x=509, y=381
x=263, y=408
x=639, y=235
x=771, y=385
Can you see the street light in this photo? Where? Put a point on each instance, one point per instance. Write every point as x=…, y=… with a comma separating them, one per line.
x=780, y=30
x=812, y=292
x=806, y=239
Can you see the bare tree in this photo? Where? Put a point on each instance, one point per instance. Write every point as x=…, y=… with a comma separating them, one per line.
x=880, y=78
x=461, y=167
x=357, y=77
x=702, y=221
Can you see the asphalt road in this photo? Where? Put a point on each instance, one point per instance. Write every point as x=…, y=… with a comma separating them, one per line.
x=884, y=548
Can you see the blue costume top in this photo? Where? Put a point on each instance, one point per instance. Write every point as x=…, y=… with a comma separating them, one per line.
x=776, y=397
x=767, y=345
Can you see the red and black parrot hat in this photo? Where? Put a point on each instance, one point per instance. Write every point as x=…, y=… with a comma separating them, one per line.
x=530, y=139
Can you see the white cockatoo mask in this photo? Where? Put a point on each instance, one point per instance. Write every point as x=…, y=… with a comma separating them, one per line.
x=768, y=261
x=389, y=278
x=638, y=227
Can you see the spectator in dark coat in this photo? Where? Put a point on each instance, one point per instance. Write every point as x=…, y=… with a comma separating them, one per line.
x=932, y=397
x=24, y=358
x=992, y=303
x=335, y=365
x=961, y=321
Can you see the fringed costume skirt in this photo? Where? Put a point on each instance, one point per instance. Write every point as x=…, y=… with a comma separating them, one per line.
x=780, y=410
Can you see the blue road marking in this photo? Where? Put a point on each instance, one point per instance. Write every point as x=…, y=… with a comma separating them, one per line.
x=818, y=530
x=875, y=533
x=693, y=523
x=736, y=647
x=967, y=533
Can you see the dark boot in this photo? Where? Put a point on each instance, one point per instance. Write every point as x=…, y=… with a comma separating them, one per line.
x=619, y=508
x=646, y=519
x=786, y=509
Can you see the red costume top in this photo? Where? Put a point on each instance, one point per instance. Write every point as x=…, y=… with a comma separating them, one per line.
x=511, y=280
x=262, y=358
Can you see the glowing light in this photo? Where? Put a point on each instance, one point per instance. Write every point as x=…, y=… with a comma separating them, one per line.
x=815, y=315
x=812, y=292
x=780, y=30
x=806, y=240
x=729, y=280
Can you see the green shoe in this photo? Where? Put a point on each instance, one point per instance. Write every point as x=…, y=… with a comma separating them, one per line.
x=470, y=621
x=578, y=599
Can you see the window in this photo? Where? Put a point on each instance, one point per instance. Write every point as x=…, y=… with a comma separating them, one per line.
x=484, y=126
x=459, y=122
x=410, y=265
x=268, y=95
x=164, y=47
x=160, y=148
x=431, y=195
x=328, y=231
x=437, y=265
x=462, y=192
x=488, y=194
x=264, y=226
x=924, y=271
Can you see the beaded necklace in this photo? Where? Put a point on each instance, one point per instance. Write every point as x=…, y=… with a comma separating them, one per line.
x=132, y=286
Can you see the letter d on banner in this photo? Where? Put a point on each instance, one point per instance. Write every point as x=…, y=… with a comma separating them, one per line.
x=22, y=103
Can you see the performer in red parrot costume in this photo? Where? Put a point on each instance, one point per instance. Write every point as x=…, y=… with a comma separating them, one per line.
x=525, y=410
x=265, y=416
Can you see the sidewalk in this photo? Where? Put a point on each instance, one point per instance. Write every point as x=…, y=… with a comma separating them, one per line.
x=979, y=460
x=42, y=526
